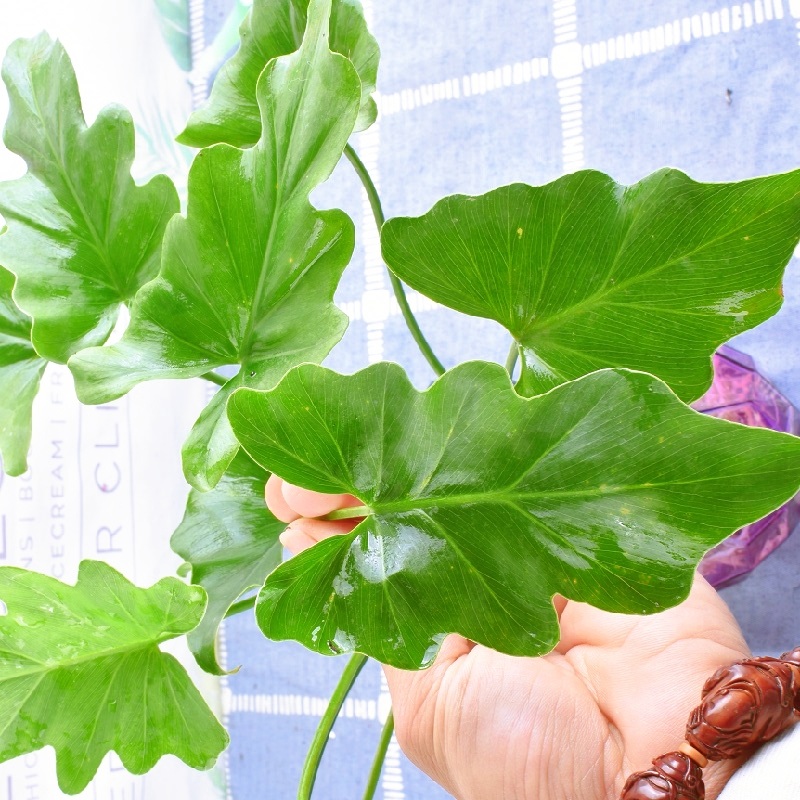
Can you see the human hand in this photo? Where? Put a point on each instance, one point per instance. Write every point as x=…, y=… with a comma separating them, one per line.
x=571, y=725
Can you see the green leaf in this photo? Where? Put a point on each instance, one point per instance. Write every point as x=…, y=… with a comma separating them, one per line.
x=274, y=28
x=231, y=541
x=482, y=504
x=173, y=19
x=20, y=372
x=351, y=37
x=82, y=238
x=588, y=274
x=248, y=277
x=81, y=671
x=211, y=445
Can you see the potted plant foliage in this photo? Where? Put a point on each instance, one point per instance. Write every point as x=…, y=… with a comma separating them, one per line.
x=577, y=469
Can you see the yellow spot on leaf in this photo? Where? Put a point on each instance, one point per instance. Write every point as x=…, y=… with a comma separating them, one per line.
x=519, y=233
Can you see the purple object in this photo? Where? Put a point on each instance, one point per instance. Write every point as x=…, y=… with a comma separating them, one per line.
x=740, y=394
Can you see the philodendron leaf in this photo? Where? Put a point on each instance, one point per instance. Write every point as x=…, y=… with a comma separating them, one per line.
x=20, y=372
x=271, y=29
x=481, y=505
x=231, y=541
x=588, y=274
x=82, y=238
x=81, y=670
x=173, y=19
x=248, y=277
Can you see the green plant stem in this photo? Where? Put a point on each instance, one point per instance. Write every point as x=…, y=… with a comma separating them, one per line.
x=511, y=361
x=366, y=180
x=397, y=286
x=380, y=755
x=240, y=606
x=314, y=756
x=348, y=513
x=220, y=380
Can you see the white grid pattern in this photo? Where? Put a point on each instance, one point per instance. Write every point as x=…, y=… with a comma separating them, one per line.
x=199, y=80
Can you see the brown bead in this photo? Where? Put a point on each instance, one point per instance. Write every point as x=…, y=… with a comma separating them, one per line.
x=673, y=776
x=744, y=704
x=793, y=656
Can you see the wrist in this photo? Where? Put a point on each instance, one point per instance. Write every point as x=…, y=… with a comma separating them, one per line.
x=717, y=774
x=744, y=705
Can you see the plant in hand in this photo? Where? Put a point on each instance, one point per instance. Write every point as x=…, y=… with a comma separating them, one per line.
x=467, y=507
x=571, y=724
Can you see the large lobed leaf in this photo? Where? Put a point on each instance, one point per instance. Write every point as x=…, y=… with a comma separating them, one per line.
x=248, y=276
x=82, y=238
x=20, y=373
x=588, y=274
x=80, y=670
x=231, y=541
x=482, y=504
x=274, y=28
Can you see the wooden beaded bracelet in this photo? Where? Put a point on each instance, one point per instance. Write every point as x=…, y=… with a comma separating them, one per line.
x=743, y=705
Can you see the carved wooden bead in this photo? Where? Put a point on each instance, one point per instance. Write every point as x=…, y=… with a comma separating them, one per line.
x=792, y=656
x=744, y=704
x=673, y=776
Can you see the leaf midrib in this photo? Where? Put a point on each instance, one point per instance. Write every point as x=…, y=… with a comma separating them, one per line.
x=506, y=496
x=41, y=668
x=527, y=334
x=245, y=351
x=99, y=245
x=282, y=161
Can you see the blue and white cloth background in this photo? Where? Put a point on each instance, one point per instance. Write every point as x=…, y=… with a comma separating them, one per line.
x=472, y=95
x=475, y=95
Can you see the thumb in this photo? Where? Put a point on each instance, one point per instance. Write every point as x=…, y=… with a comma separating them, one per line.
x=410, y=689
x=414, y=693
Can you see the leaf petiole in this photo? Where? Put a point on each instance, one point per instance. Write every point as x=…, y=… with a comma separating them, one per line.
x=321, y=737
x=397, y=286
x=220, y=380
x=380, y=755
x=511, y=360
x=240, y=606
x=347, y=513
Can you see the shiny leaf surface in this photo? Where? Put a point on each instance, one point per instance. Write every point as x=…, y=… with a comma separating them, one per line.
x=231, y=541
x=588, y=274
x=82, y=238
x=248, y=277
x=482, y=504
x=210, y=446
x=21, y=371
x=274, y=28
x=80, y=670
